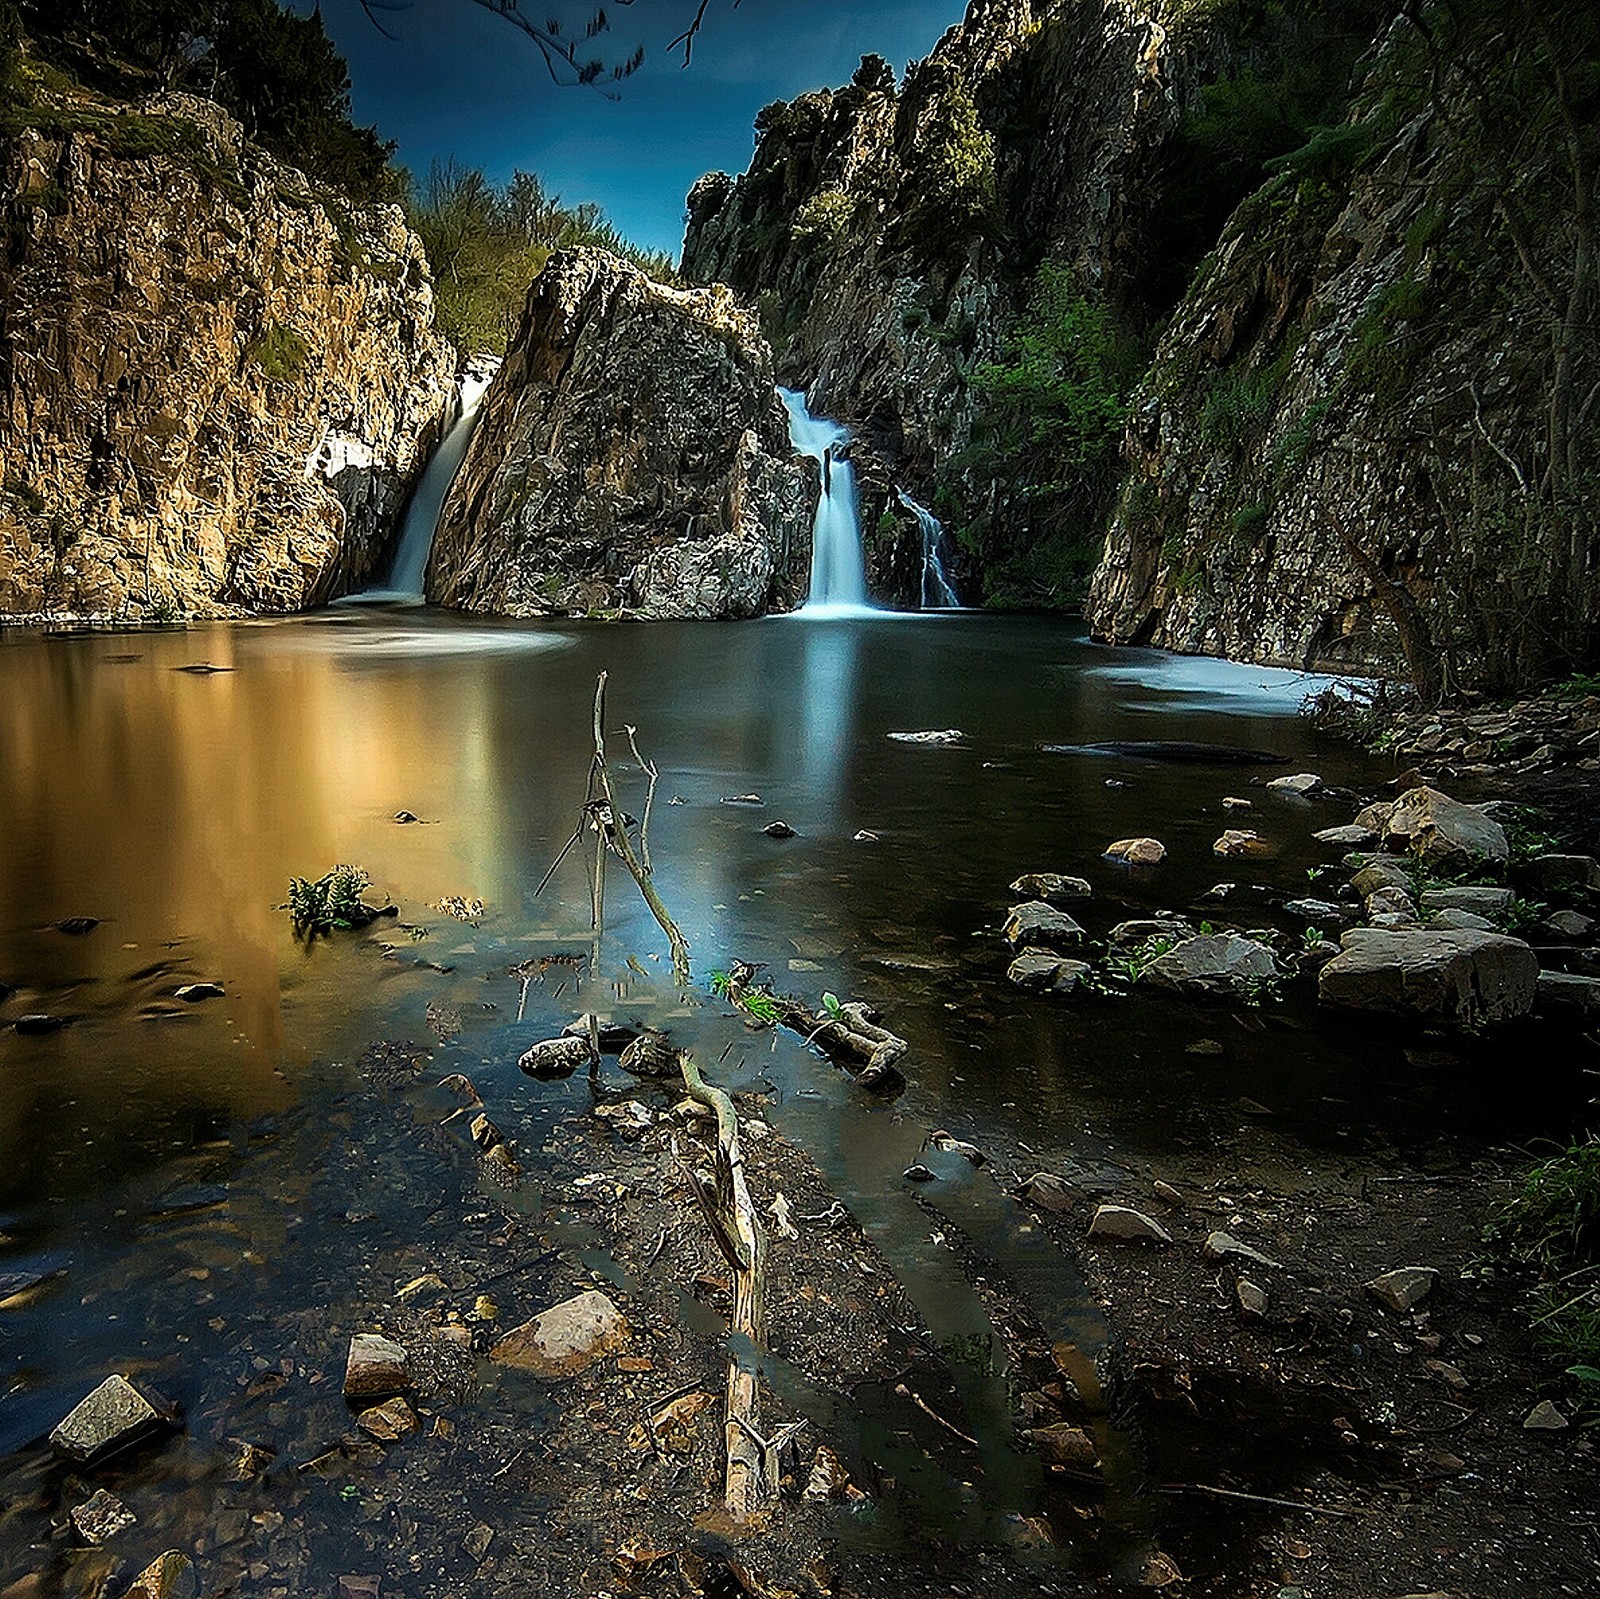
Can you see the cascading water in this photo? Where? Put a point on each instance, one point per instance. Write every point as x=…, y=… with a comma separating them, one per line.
x=838, y=569
x=409, y=570
x=938, y=593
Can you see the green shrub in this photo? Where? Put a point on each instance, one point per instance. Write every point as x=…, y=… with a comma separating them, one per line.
x=823, y=218
x=280, y=352
x=331, y=901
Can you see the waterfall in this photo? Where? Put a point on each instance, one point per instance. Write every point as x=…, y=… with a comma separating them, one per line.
x=410, y=566
x=838, y=570
x=938, y=594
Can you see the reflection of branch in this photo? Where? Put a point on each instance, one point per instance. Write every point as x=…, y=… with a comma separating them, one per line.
x=561, y=53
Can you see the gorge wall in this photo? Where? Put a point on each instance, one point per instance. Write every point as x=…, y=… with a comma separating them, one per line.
x=631, y=455
x=217, y=380
x=888, y=235
x=1368, y=436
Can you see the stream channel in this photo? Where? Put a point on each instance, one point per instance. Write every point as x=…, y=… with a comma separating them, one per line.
x=168, y=1163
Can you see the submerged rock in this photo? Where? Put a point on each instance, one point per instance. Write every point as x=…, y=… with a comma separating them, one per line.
x=1045, y=969
x=1303, y=784
x=1036, y=923
x=113, y=1416
x=631, y=454
x=1441, y=975
x=101, y=1516
x=555, y=1057
x=1051, y=887
x=375, y=1366
x=566, y=1339
x=168, y=1576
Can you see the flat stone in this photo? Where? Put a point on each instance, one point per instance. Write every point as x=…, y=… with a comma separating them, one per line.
x=555, y=1057
x=1052, y=886
x=115, y=1415
x=1044, y=970
x=942, y=735
x=1138, y=851
x=1404, y=1288
x=168, y=1576
x=566, y=1339
x=477, y=1542
x=1212, y=965
x=1062, y=1444
x=1232, y=802
x=1224, y=1246
x=1480, y=899
x=1127, y=1225
x=1049, y=1192
x=1463, y=977
x=1461, y=922
x=1319, y=912
x=1380, y=875
x=392, y=1420
x=1035, y=923
x=1375, y=818
x=1564, y=871
x=779, y=830
x=1251, y=1298
x=1544, y=1417
x=1301, y=783
x=1435, y=827
x=101, y=1516
x=1569, y=924
x=1351, y=836
x=193, y=993
x=1139, y=928
x=1394, y=903
x=375, y=1366
x=1569, y=988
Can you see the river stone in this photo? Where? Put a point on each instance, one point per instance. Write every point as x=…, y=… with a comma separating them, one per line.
x=650, y=1055
x=1239, y=841
x=390, y=1421
x=1404, y=1288
x=1138, y=851
x=1437, y=828
x=1353, y=834
x=1224, y=1246
x=1302, y=783
x=1382, y=874
x=1544, y=1417
x=1570, y=925
x=1464, y=977
x=566, y=1339
x=1140, y=928
x=1375, y=818
x=1565, y=871
x=1461, y=922
x=1569, y=988
x=1062, y=1444
x=113, y=1416
x=1034, y=922
x=1212, y=965
x=1051, y=886
x=1044, y=969
x=1480, y=900
x=1127, y=1225
x=1252, y=1299
x=1393, y=904
x=555, y=1057
x=1320, y=912
x=168, y=1576
x=375, y=1366
x=36, y=1023
x=101, y=1516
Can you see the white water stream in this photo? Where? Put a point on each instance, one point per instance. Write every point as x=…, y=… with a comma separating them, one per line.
x=408, y=574
x=938, y=594
x=838, y=569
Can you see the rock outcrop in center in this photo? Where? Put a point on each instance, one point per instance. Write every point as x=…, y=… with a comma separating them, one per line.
x=632, y=454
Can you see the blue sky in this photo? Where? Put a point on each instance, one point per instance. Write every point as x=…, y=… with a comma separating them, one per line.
x=459, y=81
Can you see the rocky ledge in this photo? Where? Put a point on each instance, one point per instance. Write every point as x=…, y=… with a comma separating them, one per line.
x=632, y=455
x=217, y=379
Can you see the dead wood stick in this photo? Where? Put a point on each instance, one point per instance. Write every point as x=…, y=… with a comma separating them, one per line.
x=613, y=828
x=847, y=1032
x=1261, y=1499
x=748, y=1487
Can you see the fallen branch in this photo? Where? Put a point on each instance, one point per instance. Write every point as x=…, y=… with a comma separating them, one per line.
x=749, y=1486
x=1262, y=1499
x=847, y=1033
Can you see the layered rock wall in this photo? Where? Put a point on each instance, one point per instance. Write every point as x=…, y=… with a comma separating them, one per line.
x=217, y=381
x=633, y=455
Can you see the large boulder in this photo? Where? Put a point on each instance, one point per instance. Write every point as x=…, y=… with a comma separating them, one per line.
x=1435, y=827
x=1439, y=974
x=1214, y=966
x=631, y=454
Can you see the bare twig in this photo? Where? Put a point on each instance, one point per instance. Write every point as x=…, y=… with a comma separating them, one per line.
x=1261, y=1499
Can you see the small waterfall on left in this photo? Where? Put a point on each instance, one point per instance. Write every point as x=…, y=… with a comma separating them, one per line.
x=938, y=594
x=408, y=572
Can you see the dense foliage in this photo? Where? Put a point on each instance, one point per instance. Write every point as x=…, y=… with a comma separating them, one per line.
x=277, y=72
x=1049, y=414
x=487, y=244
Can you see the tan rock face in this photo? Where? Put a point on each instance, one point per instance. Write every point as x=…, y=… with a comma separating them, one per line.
x=631, y=454
x=217, y=380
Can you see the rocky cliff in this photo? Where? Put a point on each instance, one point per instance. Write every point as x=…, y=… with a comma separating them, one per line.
x=631, y=454
x=216, y=380
x=1368, y=436
x=888, y=234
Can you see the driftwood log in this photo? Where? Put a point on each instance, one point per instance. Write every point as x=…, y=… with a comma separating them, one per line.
x=751, y=1480
x=848, y=1035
